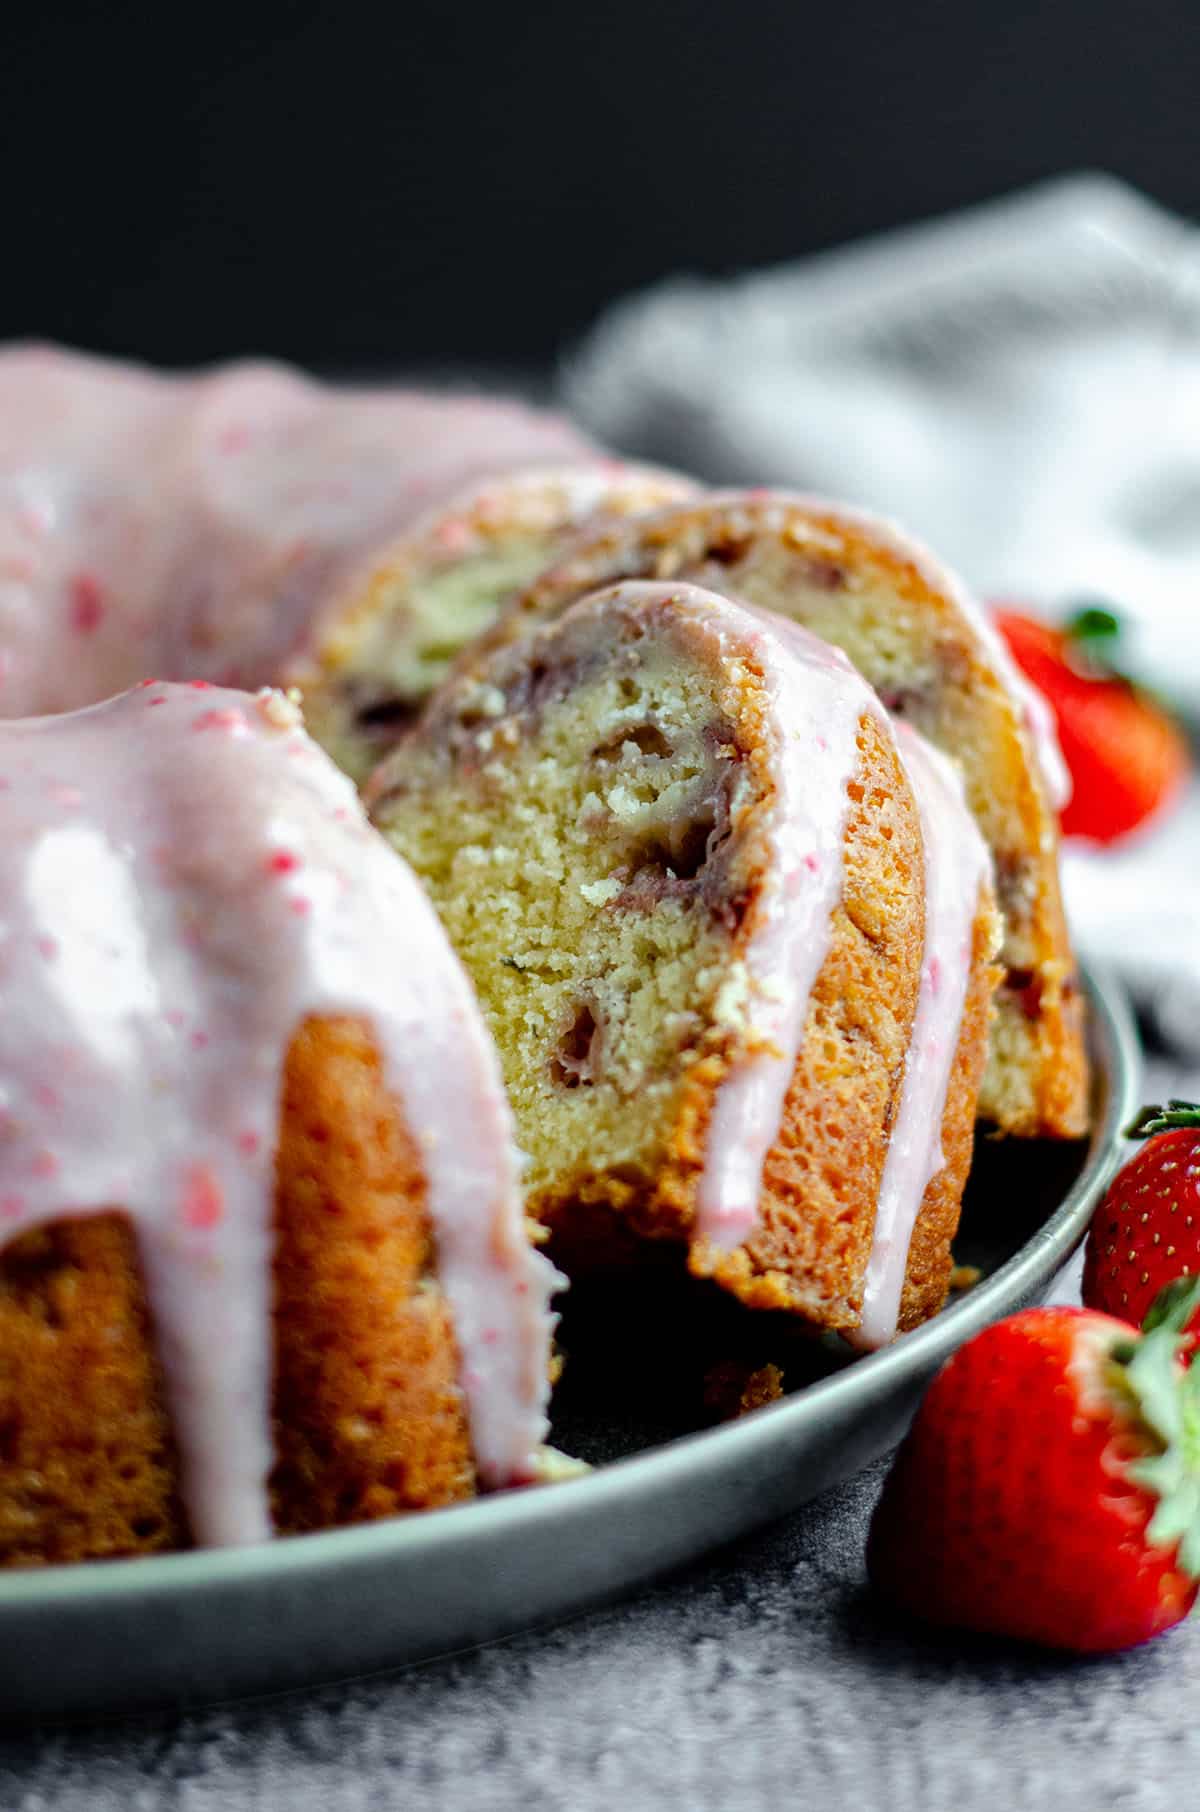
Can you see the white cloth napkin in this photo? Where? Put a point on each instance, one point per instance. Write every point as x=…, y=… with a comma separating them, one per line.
x=1020, y=386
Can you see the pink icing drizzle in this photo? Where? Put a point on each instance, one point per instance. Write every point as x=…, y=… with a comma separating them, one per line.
x=818, y=699
x=957, y=864
x=153, y=970
x=815, y=694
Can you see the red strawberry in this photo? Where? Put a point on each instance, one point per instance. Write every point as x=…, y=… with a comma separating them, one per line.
x=1147, y=1229
x=1127, y=758
x=1049, y=1488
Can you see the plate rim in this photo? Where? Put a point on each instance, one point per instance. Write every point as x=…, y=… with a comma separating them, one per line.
x=87, y=1586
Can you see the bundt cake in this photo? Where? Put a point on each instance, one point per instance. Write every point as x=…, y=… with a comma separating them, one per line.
x=388, y=637
x=196, y=527
x=733, y=941
x=935, y=661
x=263, y=1260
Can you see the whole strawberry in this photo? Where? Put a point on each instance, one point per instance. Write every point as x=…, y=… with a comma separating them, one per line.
x=1049, y=1488
x=1127, y=758
x=1146, y=1231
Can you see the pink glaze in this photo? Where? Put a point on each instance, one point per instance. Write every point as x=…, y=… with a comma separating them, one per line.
x=561, y=496
x=154, y=851
x=818, y=700
x=957, y=866
x=195, y=526
x=816, y=695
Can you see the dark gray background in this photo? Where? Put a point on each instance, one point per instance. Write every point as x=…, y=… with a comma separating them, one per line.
x=380, y=186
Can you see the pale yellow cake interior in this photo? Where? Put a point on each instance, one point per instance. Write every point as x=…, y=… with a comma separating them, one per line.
x=930, y=677
x=393, y=650
x=567, y=857
x=427, y=616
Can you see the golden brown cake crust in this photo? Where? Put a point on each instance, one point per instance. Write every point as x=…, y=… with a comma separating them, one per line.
x=927, y=1274
x=821, y=1178
x=1036, y=1082
x=368, y=1415
x=87, y=1465
x=369, y=1419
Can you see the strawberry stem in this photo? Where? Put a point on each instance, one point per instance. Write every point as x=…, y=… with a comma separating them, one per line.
x=1094, y=631
x=1093, y=623
x=1173, y=1307
x=1155, y=1119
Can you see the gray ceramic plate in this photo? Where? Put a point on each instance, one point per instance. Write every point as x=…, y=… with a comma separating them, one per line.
x=210, y=1625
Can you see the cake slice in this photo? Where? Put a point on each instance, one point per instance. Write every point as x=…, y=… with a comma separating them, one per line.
x=935, y=661
x=715, y=927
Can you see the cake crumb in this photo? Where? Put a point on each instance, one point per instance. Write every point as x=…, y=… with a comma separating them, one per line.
x=282, y=711
x=729, y=1007
x=733, y=1388
x=599, y=893
x=553, y=1467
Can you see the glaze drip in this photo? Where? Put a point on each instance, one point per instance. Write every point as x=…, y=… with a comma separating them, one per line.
x=817, y=700
x=184, y=880
x=957, y=868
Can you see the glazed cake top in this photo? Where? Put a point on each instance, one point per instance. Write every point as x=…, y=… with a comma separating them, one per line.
x=193, y=525
x=185, y=879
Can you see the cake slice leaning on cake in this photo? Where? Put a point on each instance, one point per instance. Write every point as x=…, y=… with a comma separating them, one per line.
x=935, y=661
x=734, y=943
x=263, y=1264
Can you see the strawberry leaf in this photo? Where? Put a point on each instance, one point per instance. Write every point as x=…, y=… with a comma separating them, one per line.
x=1156, y=1119
x=1152, y=1378
x=1174, y=1306
x=1177, y=1519
x=1093, y=623
x=1166, y=1400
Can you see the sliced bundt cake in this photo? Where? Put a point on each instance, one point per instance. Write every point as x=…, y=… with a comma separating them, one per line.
x=715, y=926
x=935, y=661
x=262, y=1259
